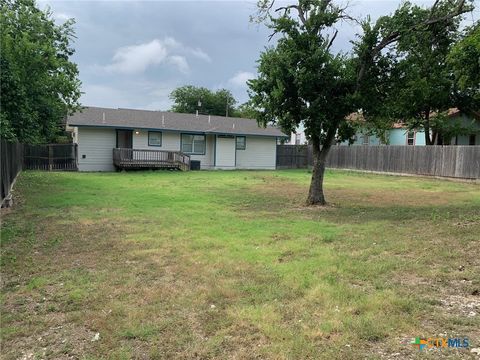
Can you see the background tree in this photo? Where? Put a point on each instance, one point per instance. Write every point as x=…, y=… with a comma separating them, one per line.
x=421, y=85
x=39, y=84
x=246, y=110
x=302, y=81
x=186, y=99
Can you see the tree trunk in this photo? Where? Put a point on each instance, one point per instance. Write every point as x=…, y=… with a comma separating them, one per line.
x=315, y=194
x=428, y=139
x=440, y=140
x=427, y=135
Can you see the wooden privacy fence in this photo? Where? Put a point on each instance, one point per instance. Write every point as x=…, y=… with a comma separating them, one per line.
x=11, y=165
x=447, y=161
x=15, y=157
x=51, y=157
x=293, y=156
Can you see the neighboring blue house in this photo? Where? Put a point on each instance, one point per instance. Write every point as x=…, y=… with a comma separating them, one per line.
x=400, y=135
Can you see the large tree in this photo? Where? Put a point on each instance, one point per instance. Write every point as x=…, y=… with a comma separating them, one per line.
x=422, y=88
x=188, y=99
x=464, y=64
x=245, y=110
x=302, y=80
x=39, y=84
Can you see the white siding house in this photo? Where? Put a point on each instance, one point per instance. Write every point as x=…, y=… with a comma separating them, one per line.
x=216, y=142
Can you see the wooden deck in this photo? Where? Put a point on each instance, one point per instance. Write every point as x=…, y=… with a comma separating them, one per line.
x=150, y=159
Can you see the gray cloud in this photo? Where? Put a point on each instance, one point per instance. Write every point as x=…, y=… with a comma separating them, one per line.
x=135, y=59
x=240, y=79
x=133, y=53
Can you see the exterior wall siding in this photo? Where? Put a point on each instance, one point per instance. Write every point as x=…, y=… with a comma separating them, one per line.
x=97, y=145
x=170, y=141
x=372, y=140
x=95, y=149
x=260, y=153
x=399, y=137
x=465, y=139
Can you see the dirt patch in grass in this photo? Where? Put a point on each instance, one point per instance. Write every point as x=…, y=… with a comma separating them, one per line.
x=235, y=266
x=295, y=194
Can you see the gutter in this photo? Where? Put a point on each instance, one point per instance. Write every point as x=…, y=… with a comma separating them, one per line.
x=209, y=131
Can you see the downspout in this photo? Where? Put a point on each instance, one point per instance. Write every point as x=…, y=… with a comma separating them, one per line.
x=215, y=152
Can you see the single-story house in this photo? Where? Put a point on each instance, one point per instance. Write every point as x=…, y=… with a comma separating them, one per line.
x=216, y=142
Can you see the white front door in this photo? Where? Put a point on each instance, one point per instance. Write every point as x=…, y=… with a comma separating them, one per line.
x=225, y=152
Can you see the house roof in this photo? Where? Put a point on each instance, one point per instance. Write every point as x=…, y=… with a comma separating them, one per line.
x=356, y=117
x=159, y=120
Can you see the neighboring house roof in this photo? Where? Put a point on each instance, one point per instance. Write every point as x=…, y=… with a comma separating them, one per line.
x=451, y=113
x=359, y=118
x=159, y=120
x=355, y=117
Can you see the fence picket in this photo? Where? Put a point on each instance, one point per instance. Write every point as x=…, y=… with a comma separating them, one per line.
x=456, y=161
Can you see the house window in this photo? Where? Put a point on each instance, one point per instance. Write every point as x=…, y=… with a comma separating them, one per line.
x=365, y=140
x=241, y=143
x=193, y=144
x=154, y=138
x=411, y=138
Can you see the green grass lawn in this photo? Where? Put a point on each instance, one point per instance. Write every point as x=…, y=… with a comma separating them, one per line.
x=233, y=265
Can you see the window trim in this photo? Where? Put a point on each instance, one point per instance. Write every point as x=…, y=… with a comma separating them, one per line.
x=244, y=143
x=193, y=134
x=365, y=139
x=414, y=137
x=161, y=138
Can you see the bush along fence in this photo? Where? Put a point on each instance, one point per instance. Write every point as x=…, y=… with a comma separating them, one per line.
x=444, y=161
x=15, y=157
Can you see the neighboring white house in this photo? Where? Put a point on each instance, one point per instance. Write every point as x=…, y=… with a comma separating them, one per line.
x=217, y=142
x=298, y=138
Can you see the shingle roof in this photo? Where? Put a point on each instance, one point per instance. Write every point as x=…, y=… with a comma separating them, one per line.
x=356, y=117
x=146, y=119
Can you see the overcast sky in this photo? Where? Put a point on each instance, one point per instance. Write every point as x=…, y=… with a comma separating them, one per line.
x=132, y=54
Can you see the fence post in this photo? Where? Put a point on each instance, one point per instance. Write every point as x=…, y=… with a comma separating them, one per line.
x=454, y=161
x=50, y=157
x=11, y=165
x=76, y=156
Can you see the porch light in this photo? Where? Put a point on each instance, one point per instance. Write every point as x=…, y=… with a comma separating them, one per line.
x=137, y=132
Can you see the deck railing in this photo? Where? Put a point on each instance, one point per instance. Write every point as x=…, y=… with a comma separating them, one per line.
x=154, y=159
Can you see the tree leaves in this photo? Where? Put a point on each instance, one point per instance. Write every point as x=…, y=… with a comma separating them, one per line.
x=188, y=99
x=39, y=84
x=300, y=81
x=464, y=62
x=412, y=79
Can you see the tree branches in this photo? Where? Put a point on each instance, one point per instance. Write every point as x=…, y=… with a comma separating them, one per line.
x=301, y=13
x=393, y=35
